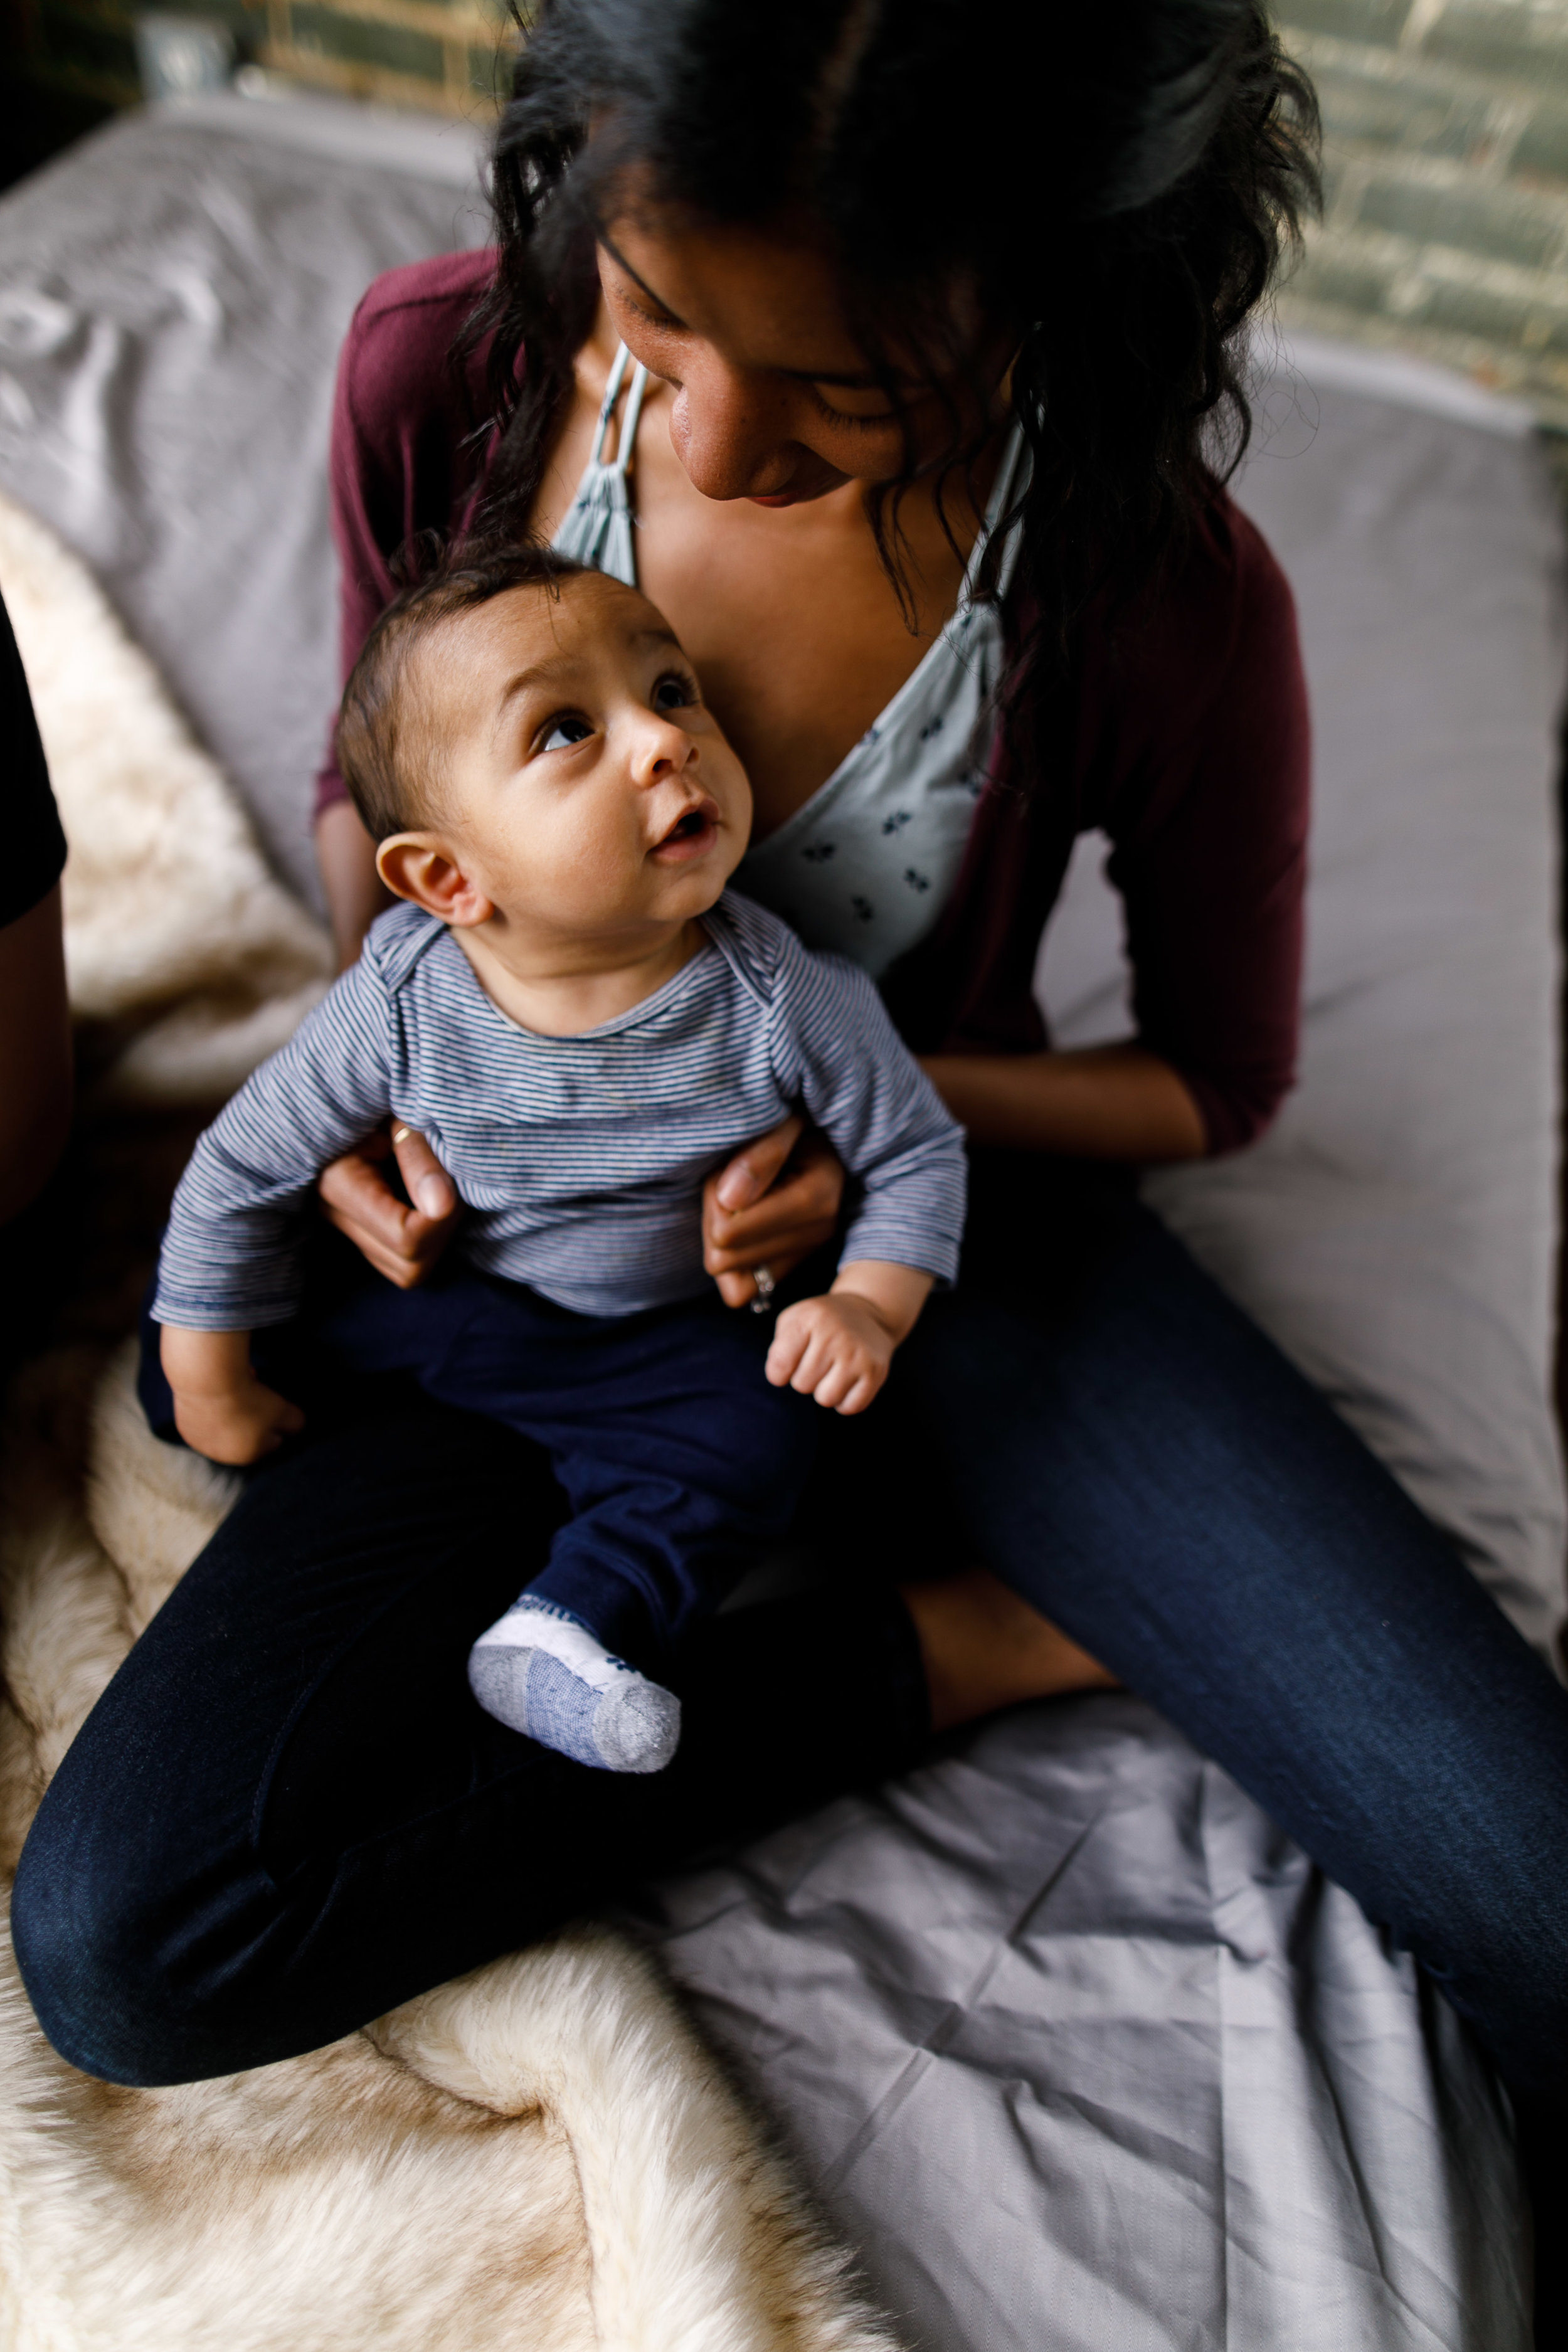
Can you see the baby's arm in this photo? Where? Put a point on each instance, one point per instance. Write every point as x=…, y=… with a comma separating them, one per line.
x=221, y=1409
x=230, y=1260
x=838, y=1348
x=840, y=1055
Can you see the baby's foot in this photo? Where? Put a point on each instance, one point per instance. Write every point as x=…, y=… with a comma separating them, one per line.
x=540, y=1670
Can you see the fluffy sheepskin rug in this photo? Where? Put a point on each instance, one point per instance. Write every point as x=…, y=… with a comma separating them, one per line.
x=541, y=2155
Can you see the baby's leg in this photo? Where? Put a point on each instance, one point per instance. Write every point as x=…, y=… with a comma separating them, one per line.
x=544, y=1672
x=679, y=1461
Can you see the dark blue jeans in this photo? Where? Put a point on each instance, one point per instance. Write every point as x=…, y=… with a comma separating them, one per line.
x=287, y=1814
x=679, y=1460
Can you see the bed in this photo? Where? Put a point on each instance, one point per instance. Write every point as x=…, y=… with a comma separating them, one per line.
x=1071, y=2046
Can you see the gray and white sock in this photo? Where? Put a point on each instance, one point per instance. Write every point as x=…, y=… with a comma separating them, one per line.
x=542, y=1671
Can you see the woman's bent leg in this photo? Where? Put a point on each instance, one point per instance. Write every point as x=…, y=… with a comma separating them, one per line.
x=286, y=1814
x=1154, y=1475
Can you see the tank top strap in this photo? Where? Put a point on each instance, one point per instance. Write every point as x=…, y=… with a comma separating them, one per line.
x=1011, y=475
x=598, y=527
x=607, y=406
x=613, y=384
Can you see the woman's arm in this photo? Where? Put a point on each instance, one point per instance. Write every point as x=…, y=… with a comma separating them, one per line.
x=402, y=462
x=35, y=1053
x=1104, y=1102
x=778, y=1200
x=355, y=892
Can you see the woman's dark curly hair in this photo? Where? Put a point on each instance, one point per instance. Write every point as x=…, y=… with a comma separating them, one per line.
x=1112, y=182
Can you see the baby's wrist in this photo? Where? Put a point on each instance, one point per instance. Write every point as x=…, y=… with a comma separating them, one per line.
x=894, y=1294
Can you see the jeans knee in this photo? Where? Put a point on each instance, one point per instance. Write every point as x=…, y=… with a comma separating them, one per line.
x=90, y=1957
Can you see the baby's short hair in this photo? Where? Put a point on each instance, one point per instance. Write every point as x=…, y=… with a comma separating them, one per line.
x=385, y=752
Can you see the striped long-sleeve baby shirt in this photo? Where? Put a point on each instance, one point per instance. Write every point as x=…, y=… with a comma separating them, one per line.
x=581, y=1160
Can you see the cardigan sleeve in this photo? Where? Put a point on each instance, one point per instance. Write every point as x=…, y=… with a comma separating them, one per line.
x=1182, y=733
x=402, y=457
x=1208, y=827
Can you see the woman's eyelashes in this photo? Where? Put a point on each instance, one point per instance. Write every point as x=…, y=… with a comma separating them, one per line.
x=872, y=421
x=659, y=324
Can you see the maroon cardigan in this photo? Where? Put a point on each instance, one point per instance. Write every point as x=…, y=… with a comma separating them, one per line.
x=1183, y=737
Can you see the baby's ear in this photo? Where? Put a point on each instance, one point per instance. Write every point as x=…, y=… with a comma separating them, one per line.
x=419, y=867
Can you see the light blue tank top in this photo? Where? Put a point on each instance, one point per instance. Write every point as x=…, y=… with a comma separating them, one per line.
x=866, y=865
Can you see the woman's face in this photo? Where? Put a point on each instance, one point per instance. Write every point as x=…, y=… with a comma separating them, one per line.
x=774, y=401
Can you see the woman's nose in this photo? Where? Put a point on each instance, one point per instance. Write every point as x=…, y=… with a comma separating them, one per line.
x=730, y=431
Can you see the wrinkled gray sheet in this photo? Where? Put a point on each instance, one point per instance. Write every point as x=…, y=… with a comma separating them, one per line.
x=173, y=297
x=1082, y=2054
x=1076, y=2049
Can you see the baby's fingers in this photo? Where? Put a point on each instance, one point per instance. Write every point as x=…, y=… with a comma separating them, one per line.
x=284, y=1419
x=861, y=1394
x=789, y=1344
x=835, y=1382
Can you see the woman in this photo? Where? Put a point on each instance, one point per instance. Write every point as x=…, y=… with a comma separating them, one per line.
x=938, y=353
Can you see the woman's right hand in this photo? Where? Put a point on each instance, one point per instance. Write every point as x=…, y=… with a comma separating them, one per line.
x=400, y=1241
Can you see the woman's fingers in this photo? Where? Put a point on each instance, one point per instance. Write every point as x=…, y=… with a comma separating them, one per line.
x=794, y=1217
x=749, y=1174
x=400, y=1242
x=429, y=1187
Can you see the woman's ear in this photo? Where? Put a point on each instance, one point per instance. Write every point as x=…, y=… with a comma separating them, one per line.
x=417, y=866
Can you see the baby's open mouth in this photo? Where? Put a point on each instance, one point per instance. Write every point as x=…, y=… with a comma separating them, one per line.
x=690, y=835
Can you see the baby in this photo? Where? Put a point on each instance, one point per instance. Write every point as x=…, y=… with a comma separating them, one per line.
x=585, y=1024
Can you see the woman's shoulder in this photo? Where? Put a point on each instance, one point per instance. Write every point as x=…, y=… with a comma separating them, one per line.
x=1221, y=605
x=396, y=359
x=1166, y=682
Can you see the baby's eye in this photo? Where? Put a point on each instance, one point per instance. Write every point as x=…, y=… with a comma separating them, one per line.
x=674, y=692
x=563, y=732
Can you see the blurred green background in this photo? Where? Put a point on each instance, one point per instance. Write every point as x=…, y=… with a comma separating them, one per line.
x=1446, y=226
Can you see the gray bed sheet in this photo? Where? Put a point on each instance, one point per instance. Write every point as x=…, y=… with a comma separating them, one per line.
x=1077, y=2049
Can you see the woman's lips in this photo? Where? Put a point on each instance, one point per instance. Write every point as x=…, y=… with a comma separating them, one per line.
x=692, y=835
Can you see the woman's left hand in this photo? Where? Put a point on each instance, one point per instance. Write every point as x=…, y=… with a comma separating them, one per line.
x=774, y=1203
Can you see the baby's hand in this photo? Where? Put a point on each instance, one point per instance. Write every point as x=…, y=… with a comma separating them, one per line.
x=221, y=1409
x=239, y=1428
x=836, y=1349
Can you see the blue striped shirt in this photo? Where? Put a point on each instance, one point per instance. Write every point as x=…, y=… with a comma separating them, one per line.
x=581, y=1160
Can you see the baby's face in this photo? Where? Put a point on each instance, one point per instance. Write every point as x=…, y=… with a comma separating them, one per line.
x=586, y=788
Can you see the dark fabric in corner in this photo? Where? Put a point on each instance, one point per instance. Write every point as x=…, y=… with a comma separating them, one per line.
x=37, y=845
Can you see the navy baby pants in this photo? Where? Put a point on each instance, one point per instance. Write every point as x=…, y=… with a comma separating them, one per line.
x=676, y=1457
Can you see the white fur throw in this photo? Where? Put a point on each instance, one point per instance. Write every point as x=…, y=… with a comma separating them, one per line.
x=541, y=2155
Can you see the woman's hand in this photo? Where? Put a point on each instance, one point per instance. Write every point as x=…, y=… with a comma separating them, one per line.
x=400, y=1242
x=776, y=1202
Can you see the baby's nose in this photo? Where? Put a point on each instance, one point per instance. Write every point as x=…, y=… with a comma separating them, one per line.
x=665, y=751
